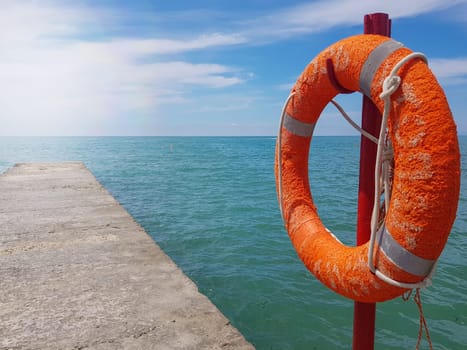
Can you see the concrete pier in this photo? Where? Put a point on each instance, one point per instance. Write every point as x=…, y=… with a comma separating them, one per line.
x=77, y=272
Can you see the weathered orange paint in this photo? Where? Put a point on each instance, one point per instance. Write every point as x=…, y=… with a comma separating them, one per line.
x=426, y=173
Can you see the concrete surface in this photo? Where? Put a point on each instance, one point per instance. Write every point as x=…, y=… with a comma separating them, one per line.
x=77, y=272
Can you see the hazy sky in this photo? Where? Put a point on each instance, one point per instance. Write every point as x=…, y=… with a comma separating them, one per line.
x=204, y=67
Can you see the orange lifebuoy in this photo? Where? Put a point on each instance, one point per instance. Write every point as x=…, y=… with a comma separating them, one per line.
x=426, y=179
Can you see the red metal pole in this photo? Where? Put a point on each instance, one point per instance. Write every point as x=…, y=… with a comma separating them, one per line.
x=364, y=313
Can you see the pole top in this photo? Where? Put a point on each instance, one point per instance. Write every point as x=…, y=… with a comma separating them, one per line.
x=377, y=23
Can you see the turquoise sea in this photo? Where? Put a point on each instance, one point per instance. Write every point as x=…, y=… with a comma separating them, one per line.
x=210, y=203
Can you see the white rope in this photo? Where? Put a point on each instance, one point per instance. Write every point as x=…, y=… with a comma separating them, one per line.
x=355, y=125
x=279, y=152
x=383, y=159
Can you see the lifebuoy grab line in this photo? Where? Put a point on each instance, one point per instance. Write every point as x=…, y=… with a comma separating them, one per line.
x=417, y=133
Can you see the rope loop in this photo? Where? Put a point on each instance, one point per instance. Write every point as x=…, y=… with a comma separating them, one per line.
x=423, y=326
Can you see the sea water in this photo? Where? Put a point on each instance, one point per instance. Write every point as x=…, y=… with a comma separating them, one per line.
x=211, y=204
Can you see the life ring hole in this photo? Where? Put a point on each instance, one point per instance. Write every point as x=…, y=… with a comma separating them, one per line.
x=334, y=161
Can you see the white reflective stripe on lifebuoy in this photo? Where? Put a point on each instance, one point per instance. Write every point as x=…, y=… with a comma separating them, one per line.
x=372, y=63
x=400, y=256
x=297, y=127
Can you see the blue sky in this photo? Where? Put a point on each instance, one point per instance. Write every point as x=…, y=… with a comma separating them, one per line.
x=204, y=67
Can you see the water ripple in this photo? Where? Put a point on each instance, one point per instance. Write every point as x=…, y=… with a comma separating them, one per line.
x=211, y=204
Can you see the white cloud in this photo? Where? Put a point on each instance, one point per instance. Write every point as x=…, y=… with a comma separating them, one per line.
x=227, y=103
x=67, y=69
x=134, y=48
x=449, y=67
x=317, y=16
x=25, y=21
x=286, y=86
x=451, y=71
x=174, y=73
x=53, y=81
